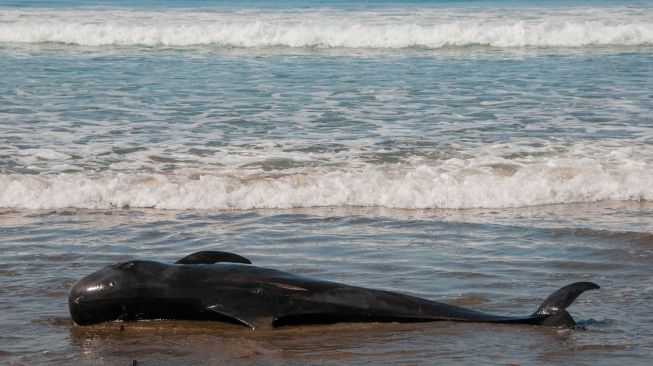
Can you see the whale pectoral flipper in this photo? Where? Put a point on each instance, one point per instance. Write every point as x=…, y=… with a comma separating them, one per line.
x=552, y=311
x=251, y=321
x=211, y=257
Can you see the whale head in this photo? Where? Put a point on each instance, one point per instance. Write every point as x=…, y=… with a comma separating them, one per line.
x=105, y=295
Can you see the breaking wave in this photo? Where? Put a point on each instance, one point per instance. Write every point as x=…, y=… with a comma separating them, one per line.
x=325, y=29
x=419, y=187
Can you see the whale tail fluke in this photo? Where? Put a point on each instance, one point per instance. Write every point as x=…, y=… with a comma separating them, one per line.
x=552, y=311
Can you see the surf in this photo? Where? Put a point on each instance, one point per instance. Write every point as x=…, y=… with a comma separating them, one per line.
x=430, y=28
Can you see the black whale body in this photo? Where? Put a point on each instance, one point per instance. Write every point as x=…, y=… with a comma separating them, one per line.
x=223, y=286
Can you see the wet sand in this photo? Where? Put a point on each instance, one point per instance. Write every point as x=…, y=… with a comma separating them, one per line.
x=502, y=261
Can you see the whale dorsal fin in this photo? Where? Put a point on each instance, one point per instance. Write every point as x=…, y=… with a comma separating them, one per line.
x=210, y=257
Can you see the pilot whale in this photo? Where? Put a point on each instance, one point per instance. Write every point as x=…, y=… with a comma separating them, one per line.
x=221, y=286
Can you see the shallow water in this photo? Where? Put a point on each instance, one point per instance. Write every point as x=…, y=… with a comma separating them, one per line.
x=504, y=261
x=89, y=121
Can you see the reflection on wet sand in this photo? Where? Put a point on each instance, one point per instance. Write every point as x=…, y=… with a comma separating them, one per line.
x=152, y=342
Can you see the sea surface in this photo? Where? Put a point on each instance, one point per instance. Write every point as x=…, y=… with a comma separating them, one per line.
x=481, y=153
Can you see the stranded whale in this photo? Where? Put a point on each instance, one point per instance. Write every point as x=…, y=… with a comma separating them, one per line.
x=226, y=287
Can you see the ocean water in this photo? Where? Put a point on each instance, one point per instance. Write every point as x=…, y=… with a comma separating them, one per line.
x=483, y=153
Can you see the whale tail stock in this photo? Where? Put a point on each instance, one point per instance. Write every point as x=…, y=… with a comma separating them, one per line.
x=552, y=311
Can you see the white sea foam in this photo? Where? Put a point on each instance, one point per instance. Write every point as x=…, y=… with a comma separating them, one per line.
x=417, y=187
x=330, y=28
